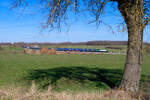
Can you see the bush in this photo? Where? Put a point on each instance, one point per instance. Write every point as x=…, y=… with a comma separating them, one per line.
x=1, y=48
x=147, y=49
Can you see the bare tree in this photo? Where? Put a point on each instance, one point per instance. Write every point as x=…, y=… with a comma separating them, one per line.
x=136, y=14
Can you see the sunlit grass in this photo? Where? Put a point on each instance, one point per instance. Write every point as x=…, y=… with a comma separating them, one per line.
x=73, y=72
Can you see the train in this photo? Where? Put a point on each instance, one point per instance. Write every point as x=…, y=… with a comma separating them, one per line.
x=72, y=49
x=80, y=50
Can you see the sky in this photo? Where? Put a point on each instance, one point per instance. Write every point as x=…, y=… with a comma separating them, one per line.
x=19, y=26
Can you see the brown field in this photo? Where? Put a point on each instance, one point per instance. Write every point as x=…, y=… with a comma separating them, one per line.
x=34, y=94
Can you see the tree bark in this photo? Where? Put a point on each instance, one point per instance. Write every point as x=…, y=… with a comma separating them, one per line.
x=132, y=13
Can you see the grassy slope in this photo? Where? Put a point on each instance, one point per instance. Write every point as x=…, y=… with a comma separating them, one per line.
x=75, y=72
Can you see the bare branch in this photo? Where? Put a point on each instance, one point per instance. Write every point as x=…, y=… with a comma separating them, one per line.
x=59, y=10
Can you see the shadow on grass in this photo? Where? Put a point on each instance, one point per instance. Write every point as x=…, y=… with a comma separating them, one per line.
x=69, y=76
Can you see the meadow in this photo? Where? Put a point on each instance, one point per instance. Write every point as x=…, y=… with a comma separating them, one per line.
x=64, y=72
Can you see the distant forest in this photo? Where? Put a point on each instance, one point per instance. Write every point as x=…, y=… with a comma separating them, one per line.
x=21, y=44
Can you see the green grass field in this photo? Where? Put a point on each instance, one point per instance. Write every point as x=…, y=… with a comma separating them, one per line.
x=64, y=72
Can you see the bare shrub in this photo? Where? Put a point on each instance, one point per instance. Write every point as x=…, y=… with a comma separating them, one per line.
x=37, y=52
x=1, y=48
x=44, y=50
x=52, y=51
x=28, y=51
x=147, y=49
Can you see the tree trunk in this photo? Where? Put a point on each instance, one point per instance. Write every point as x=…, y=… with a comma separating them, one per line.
x=132, y=14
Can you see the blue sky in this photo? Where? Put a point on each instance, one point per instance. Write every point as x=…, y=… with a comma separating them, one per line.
x=25, y=27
